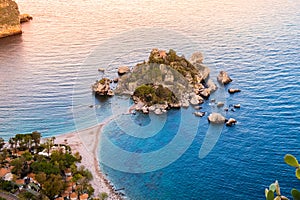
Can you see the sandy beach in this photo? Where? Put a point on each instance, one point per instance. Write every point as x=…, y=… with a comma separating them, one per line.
x=89, y=152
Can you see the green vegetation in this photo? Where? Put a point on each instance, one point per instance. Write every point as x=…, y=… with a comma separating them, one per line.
x=273, y=193
x=179, y=63
x=52, y=168
x=152, y=94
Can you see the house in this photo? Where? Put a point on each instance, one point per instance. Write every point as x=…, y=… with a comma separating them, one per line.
x=3, y=172
x=83, y=196
x=68, y=172
x=73, y=196
x=8, y=177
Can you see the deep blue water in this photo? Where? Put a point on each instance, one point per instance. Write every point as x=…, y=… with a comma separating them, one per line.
x=46, y=75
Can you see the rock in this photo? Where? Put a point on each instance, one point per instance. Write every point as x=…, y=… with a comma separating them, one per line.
x=216, y=118
x=175, y=105
x=211, y=85
x=185, y=103
x=116, y=80
x=123, y=70
x=237, y=106
x=145, y=110
x=220, y=104
x=197, y=57
x=226, y=109
x=101, y=70
x=9, y=18
x=25, y=18
x=195, y=99
x=230, y=122
x=212, y=100
x=197, y=107
x=199, y=114
x=102, y=87
x=224, y=78
x=158, y=111
x=110, y=93
x=205, y=93
x=232, y=90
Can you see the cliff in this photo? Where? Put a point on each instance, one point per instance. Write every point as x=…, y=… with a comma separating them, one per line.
x=9, y=18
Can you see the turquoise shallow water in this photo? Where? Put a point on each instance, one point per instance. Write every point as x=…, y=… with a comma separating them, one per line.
x=45, y=78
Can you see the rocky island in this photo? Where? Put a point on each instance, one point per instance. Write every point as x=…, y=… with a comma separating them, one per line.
x=165, y=81
x=10, y=18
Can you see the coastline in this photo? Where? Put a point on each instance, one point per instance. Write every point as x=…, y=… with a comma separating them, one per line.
x=89, y=155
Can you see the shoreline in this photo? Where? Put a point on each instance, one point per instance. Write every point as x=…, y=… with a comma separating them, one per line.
x=89, y=154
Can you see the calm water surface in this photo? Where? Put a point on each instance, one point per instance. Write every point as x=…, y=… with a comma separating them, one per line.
x=45, y=78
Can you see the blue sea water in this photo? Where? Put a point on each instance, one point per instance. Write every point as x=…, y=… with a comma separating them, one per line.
x=45, y=78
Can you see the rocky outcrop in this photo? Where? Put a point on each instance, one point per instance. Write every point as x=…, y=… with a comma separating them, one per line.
x=102, y=87
x=233, y=90
x=216, y=118
x=231, y=122
x=25, y=18
x=123, y=70
x=224, y=78
x=9, y=18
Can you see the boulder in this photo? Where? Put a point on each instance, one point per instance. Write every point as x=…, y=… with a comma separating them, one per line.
x=224, y=78
x=123, y=70
x=9, y=18
x=233, y=90
x=216, y=118
x=231, y=122
x=101, y=70
x=205, y=93
x=25, y=18
x=211, y=85
x=220, y=104
x=237, y=106
x=199, y=114
x=116, y=80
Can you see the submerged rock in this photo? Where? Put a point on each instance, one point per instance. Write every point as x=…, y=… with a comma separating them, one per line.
x=224, y=78
x=197, y=57
x=220, y=104
x=216, y=118
x=9, y=18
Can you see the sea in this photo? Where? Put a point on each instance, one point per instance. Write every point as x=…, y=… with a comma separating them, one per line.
x=47, y=72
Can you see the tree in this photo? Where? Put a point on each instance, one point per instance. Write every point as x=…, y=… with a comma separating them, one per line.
x=53, y=186
x=48, y=145
x=103, y=196
x=1, y=142
x=36, y=137
x=18, y=164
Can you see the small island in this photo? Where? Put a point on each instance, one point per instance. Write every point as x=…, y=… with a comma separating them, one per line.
x=167, y=81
